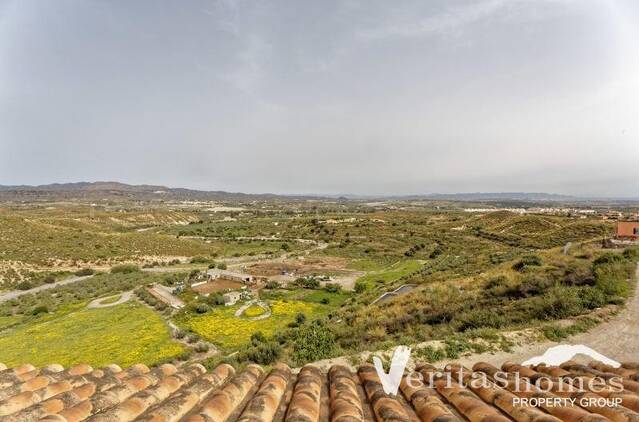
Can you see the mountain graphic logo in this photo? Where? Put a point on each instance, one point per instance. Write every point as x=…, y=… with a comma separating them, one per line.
x=391, y=380
x=557, y=355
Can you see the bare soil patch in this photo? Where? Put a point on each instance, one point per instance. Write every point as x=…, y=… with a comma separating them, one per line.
x=301, y=267
x=218, y=285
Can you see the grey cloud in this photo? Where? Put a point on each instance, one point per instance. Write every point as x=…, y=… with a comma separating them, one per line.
x=326, y=97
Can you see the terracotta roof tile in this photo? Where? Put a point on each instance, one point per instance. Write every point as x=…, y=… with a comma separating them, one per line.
x=428, y=394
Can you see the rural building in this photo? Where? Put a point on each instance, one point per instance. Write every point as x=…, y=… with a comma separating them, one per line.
x=628, y=229
x=231, y=298
x=247, y=279
x=613, y=215
x=165, y=294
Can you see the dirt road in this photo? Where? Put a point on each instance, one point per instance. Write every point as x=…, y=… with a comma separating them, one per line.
x=17, y=293
x=96, y=304
x=238, y=262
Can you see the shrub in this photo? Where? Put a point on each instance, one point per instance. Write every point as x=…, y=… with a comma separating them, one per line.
x=611, y=279
x=257, y=338
x=199, y=260
x=559, y=302
x=221, y=266
x=49, y=279
x=333, y=287
x=307, y=283
x=201, y=308
x=555, y=333
x=84, y=272
x=125, y=269
x=431, y=354
x=215, y=299
x=608, y=258
x=360, y=286
x=454, y=347
x=201, y=347
x=42, y=309
x=592, y=298
x=480, y=318
x=436, y=252
x=527, y=261
x=631, y=254
x=272, y=285
x=534, y=284
x=578, y=275
x=313, y=342
x=300, y=318
x=263, y=353
x=499, y=286
x=24, y=285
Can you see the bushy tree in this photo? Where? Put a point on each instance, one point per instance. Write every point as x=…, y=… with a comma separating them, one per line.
x=333, y=288
x=360, y=286
x=307, y=283
x=272, y=285
x=313, y=342
x=84, y=272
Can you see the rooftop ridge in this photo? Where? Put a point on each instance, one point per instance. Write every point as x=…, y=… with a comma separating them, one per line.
x=446, y=393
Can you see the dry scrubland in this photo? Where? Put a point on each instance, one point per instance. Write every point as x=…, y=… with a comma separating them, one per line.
x=475, y=277
x=40, y=241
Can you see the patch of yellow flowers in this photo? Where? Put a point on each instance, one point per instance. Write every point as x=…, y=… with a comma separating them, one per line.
x=253, y=311
x=222, y=327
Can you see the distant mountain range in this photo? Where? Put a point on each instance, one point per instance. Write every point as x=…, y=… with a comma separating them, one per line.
x=123, y=191
x=116, y=190
x=476, y=196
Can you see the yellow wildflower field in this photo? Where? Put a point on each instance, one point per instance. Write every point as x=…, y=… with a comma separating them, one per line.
x=253, y=311
x=124, y=334
x=223, y=328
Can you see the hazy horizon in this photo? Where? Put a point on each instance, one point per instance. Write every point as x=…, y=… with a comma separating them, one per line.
x=346, y=194
x=342, y=97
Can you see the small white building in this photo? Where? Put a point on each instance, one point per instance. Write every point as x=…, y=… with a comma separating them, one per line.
x=231, y=298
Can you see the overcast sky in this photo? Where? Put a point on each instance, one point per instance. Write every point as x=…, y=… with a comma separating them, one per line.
x=312, y=96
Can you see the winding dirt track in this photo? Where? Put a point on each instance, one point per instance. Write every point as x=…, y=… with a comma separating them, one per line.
x=17, y=293
x=124, y=297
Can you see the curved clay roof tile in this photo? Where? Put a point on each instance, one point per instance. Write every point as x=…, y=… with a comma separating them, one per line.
x=305, y=404
x=189, y=393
